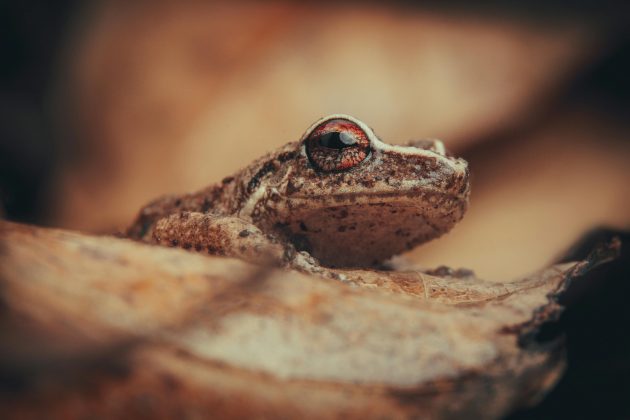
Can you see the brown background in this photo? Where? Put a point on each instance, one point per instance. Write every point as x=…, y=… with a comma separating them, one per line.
x=147, y=99
x=107, y=104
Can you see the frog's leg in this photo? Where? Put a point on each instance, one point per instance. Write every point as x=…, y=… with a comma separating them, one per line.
x=220, y=235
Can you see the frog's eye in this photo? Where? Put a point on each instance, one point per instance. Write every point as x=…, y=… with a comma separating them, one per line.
x=337, y=145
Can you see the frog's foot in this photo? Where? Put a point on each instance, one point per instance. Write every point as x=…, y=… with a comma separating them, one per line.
x=219, y=235
x=306, y=263
x=302, y=261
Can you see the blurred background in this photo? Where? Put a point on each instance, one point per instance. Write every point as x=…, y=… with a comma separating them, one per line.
x=107, y=104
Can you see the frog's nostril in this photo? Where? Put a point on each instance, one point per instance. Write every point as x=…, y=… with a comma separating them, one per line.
x=428, y=144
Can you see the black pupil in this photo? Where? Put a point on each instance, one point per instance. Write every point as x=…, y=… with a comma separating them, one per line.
x=336, y=140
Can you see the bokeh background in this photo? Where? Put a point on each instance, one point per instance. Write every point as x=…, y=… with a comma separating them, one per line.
x=108, y=104
x=105, y=105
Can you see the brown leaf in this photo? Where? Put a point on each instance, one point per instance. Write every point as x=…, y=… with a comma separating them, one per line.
x=105, y=326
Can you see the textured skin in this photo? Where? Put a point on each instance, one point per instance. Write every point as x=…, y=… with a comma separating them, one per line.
x=394, y=200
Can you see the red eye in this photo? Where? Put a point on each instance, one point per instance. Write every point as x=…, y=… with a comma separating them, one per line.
x=337, y=145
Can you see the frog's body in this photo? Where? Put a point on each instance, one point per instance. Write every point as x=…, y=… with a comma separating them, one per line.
x=339, y=195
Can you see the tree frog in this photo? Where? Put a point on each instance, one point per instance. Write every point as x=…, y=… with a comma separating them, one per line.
x=337, y=198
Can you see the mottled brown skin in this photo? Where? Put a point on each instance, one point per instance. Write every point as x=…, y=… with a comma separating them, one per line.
x=285, y=210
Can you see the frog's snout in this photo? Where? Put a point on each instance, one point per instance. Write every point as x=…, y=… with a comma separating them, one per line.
x=462, y=184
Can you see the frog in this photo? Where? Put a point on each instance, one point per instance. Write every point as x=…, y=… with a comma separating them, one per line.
x=339, y=197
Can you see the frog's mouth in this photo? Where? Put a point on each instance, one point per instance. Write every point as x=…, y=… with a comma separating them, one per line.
x=399, y=179
x=412, y=197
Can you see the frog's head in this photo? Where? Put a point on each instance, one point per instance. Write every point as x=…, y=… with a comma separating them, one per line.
x=352, y=200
